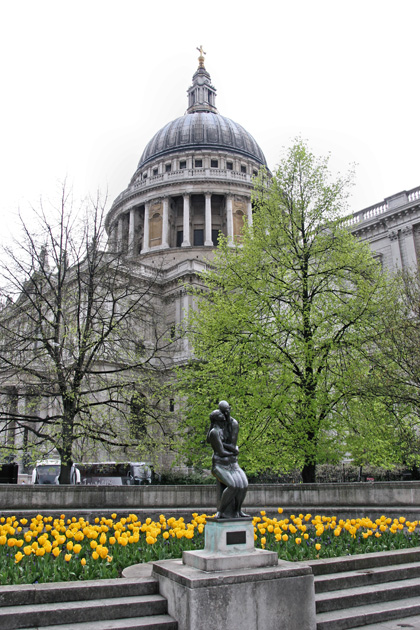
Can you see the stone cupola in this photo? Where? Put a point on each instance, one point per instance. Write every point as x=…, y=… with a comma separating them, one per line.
x=201, y=94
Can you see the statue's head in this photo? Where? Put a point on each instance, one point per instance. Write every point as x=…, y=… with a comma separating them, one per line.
x=216, y=417
x=224, y=407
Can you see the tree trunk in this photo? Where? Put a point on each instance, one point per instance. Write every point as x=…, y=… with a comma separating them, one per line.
x=65, y=472
x=66, y=452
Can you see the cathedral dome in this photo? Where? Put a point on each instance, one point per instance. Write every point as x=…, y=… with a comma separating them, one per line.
x=193, y=182
x=199, y=130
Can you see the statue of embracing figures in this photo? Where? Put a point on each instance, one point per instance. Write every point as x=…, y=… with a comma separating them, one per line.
x=231, y=480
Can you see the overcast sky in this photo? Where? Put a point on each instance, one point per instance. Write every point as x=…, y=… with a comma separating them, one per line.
x=86, y=84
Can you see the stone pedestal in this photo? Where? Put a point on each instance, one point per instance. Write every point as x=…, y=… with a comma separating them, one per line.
x=229, y=545
x=230, y=585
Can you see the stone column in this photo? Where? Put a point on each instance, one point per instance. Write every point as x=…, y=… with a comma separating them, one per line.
x=229, y=217
x=186, y=242
x=146, y=228
x=409, y=246
x=249, y=212
x=112, y=244
x=120, y=234
x=208, y=241
x=395, y=249
x=185, y=308
x=165, y=222
x=131, y=231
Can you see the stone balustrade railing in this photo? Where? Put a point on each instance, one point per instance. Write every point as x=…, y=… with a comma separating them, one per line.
x=414, y=194
x=380, y=208
x=367, y=213
x=182, y=175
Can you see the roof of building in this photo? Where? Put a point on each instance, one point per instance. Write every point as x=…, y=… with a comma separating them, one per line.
x=202, y=127
x=202, y=130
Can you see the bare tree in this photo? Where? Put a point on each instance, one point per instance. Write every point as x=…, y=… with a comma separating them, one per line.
x=80, y=341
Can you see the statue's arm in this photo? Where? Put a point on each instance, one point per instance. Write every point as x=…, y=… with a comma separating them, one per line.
x=235, y=431
x=217, y=444
x=231, y=447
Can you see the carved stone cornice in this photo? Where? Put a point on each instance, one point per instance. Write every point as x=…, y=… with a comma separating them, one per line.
x=406, y=231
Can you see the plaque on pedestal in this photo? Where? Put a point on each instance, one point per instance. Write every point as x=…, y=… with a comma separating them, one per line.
x=229, y=545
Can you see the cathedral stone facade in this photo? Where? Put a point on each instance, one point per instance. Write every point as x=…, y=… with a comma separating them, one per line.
x=392, y=229
x=194, y=181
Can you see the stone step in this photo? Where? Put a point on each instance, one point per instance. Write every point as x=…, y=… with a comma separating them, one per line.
x=25, y=594
x=157, y=622
x=367, y=594
x=373, y=575
x=364, y=561
x=409, y=623
x=359, y=616
x=72, y=612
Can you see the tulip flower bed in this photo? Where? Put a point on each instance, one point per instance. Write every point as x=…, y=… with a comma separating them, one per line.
x=50, y=550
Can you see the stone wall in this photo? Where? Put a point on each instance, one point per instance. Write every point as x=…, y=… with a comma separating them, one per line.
x=350, y=498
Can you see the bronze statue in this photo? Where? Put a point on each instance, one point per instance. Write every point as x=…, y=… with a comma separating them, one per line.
x=231, y=480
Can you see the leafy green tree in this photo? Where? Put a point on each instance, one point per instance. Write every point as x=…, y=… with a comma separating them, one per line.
x=282, y=321
x=394, y=357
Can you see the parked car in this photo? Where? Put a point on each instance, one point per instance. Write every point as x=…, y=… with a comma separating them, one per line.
x=141, y=473
x=48, y=471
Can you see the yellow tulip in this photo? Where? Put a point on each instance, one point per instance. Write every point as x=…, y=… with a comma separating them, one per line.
x=103, y=551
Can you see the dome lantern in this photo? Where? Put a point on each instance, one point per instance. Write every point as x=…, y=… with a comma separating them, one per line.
x=201, y=94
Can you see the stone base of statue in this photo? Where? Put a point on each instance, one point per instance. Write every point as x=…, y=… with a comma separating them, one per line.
x=229, y=545
x=230, y=585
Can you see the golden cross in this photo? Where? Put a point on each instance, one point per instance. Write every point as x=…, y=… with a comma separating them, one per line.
x=201, y=57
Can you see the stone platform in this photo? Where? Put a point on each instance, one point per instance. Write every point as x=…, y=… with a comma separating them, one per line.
x=231, y=585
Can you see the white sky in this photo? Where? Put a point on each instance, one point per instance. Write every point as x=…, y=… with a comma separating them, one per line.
x=85, y=85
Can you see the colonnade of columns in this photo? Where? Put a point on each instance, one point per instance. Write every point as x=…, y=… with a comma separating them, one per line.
x=409, y=246
x=128, y=223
